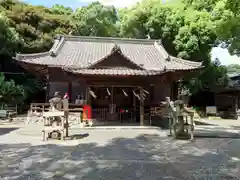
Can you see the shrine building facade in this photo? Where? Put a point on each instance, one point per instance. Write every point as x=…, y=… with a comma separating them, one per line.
x=120, y=78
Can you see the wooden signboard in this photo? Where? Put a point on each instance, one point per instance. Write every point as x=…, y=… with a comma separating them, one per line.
x=211, y=110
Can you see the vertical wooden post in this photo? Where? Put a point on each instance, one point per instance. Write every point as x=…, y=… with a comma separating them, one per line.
x=66, y=113
x=134, y=108
x=47, y=89
x=112, y=95
x=192, y=128
x=236, y=103
x=141, y=107
x=88, y=96
x=70, y=91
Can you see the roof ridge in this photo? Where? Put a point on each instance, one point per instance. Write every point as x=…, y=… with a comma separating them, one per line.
x=183, y=61
x=58, y=43
x=158, y=45
x=108, y=39
x=35, y=55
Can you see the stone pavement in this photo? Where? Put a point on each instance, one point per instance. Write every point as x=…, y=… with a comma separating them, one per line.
x=220, y=122
x=116, y=154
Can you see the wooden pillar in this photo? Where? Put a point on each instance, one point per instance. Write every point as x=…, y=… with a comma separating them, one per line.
x=70, y=91
x=88, y=96
x=134, y=108
x=141, y=107
x=112, y=98
x=236, y=103
x=47, y=89
x=174, y=90
x=66, y=114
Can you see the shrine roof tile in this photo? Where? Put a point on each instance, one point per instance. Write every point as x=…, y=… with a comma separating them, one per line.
x=83, y=52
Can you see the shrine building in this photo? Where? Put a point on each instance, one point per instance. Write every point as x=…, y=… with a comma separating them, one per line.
x=120, y=78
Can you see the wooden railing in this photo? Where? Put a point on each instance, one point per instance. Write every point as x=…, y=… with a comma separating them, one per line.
x=158, y=111
x=8, y=111
x=42, y=107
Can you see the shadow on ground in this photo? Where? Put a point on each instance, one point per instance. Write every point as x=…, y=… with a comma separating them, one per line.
x=216, y=132
x=203, y=123
x=4, y=131
x=164, y=122
x=145, y=157
x=78, y=136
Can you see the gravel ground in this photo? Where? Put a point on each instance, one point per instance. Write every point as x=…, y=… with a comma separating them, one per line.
x=116, y=154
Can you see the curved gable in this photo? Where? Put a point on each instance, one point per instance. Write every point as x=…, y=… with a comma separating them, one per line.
x=115, y=59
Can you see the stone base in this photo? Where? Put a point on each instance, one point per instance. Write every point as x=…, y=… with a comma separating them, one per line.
x=55, y=135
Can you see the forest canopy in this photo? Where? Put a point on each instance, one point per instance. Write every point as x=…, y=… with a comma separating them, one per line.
x=188, y=29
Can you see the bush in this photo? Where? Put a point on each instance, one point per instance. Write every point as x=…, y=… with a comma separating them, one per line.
x=10, y=93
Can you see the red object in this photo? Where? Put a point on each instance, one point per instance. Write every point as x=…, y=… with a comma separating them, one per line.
x=87, y=112
x=66, y=95
x=121, y=110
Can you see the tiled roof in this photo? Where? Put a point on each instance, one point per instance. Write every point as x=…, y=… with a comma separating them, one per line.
x=83, y=52
x=114, y=71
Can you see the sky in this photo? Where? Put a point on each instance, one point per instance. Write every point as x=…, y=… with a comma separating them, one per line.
x=221, y=54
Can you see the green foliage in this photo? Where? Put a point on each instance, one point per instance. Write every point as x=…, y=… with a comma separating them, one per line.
x=188, y=29
x=233, y=69
x=201, y=5
x=96, y=20
x=10, y=93
x=60, y=9
x=8, y=37
x=213, y=76
x=228, y=27
x=36, y=25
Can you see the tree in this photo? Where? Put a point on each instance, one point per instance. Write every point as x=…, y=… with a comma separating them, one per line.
x=201, y=5
x=228, y=27
x=233, y=68
x=36, y=25
x=60, y=9
x=188, y=28
x=8, y=37
x=96, y=20
x=186, y=31
x=10, y=92
x=213, y=76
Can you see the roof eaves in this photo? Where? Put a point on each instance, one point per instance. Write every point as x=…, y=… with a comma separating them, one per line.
x=58, y=43
x=235, y=75
x=186, y=62
x=19, y=56
x=103, y=71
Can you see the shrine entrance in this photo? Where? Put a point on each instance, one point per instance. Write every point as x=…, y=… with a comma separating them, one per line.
x=113, y=105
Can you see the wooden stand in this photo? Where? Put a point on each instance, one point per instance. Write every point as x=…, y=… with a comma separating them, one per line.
x=177, y=114
x=54, y=121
